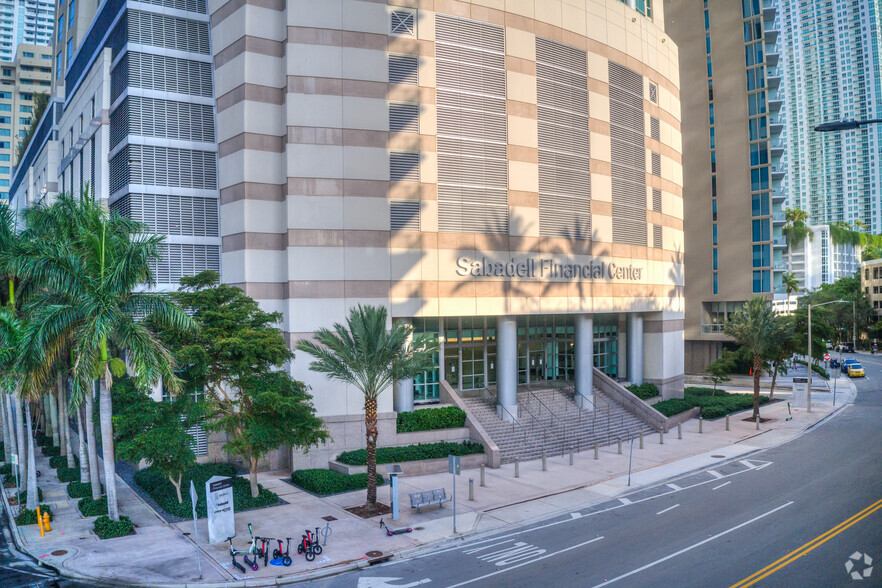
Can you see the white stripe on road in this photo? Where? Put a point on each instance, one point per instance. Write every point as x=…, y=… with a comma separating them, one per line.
x=716, y=474
x=624, y=501
x=721, y=485
x=673, y=487
x=490, y=575
x=691, y=547
x=667, y=509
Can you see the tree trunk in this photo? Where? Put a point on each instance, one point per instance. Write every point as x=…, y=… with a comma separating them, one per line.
x=757, y=365
x=62, y=421
x=177, y=485
x=20, y=440
x=81, y=442
x=370, y=428
x=8, y=432
x=774, y=379
x=53, y=419
x=104, y=413
x=32, y=462
x=67, y=449
x=90, y=442
x=252, y=477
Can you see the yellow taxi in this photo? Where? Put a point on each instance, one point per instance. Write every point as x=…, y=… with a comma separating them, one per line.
x=855, y=370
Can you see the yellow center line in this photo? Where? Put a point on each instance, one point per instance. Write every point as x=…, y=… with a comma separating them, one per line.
x=805, y=549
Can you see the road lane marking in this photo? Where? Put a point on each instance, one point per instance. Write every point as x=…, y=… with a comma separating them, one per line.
x=667, y=509
x=691, y=547
x=476, y=550
x=512, y=554
x=576, y=515
x=805, y=549
x=625, y=501
x=674, y=487
x=716, y=474
x=721, y=485
x=547, y=555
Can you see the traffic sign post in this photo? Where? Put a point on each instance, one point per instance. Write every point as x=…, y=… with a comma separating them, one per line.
x=193, y=499
x=826, y=357
x=453, y=468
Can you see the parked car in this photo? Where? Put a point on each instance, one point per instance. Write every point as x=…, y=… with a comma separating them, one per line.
x=848, y=347
x=847, y=363
x=855, y=370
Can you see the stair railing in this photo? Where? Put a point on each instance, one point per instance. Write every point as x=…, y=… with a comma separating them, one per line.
x=518, y=426
x=554, y=417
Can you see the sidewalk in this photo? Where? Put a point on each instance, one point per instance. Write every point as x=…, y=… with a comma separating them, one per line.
x=164, y=554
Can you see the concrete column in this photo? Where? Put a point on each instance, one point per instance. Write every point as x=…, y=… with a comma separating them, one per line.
x=507, y=367
x=584, y=357
x=635, y=348
x=403, y=391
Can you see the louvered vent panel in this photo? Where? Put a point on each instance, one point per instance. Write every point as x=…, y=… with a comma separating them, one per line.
x=405, y=215
x=123, y=206
x=181, y=259
x=120, y=170
x=169, y=119
x=472, y=126
x=199, y=444
x=402, y=22
x=187, y=5
x=166, y=74
x=657, y=236
x=404, y=69
x=656, y=200
x=168, y=32
x=175, y=215
x=654, y=128
x=168, y=166
x=93, y=166
x=627, y=146
x=119, y=124
x=404, y=117
x=404, y=166
x=656, y=164
x=119, y=78
x=653, y=93
x=564, y=156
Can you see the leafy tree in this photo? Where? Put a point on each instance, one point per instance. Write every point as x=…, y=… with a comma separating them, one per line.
x=274, y=410
x=364, y=354
x=41, y=101
x=718, y=371
x=155, y=431
x=754, y=327
x=780, y=349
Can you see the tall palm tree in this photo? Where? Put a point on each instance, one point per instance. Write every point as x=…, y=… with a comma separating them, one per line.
x=791, y=285
x=92, y=302
x=795, y=231
x=364, y=354
x=754, y=326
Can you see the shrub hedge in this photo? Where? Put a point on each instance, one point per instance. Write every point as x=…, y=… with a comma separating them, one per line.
x=713, y=405
x=643, y=391
x=23, y=496
x=6, y=469
x=80, y=490
x=66, y=474
x=51, y=451
x=431, y=419
x=161, y=490
x=107, y=529
x=92, y=508
x=412, y=452
x=60, y=461
x=29, y=517
x=673, y=406
x=43, y=440
x=325, y=482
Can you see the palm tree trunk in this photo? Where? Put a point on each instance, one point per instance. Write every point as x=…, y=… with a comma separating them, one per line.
x=104, y=413
x=8, y=435
x=774, y=379
x=85, y=464
x=252, y=477
x=90, y=442
x=67, y=448
x=10, y=424
x=32, y=462
x=757, y=364
x=370, y=428
x=53, y=419
x=20, y=440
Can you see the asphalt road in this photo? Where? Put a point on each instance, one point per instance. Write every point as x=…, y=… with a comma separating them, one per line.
x=792, y=516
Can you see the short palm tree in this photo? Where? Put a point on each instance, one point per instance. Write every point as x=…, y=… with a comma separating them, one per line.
x=754, y=326
x=791, y=285
x=93, y=302
x=364, y=354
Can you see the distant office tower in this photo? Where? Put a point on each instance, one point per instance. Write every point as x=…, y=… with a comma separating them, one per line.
x=71, y=25
x=831, y=54
x=732, y=190
x=25, y=21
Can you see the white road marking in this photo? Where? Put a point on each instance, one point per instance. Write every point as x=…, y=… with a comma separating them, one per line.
x=721, y=485
x=512, y=554
x=471, y=551
x=667, y=509
x=693, y=546
x=547, y=555
x=716, y=474
x=749, y=465
x=673, y=487
x=625, y=501
x=377, y=582
x=576, y=515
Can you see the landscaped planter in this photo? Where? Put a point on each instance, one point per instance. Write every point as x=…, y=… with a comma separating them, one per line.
x=414, y=468
x=417, y=437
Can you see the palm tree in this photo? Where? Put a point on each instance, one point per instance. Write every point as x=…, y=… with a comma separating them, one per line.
x=791, y=285
x=370, y=358
x=91, y=302
x=795, y=231
x=754, y=326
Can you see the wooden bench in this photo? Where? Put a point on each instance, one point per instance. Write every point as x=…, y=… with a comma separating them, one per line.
x=429, y=498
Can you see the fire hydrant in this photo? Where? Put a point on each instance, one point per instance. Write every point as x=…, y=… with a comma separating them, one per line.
x=46, y=521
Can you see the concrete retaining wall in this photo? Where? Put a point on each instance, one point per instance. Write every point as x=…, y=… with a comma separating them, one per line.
x=494, y=456
x=631, y=403
x=415, y=468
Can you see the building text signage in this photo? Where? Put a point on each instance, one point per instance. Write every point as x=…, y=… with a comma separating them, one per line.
x=546, y=268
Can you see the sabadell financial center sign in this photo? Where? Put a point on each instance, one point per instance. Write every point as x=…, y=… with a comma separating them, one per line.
x=546, y=268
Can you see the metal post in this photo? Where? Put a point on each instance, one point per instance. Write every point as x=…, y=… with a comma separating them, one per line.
x=517, y=467
x=700, y=424
x=596, y=450
x=641, y=439
x=834, y=389
x=454, y=502
x=544, y=461
x=679, y=431
x=571, y=457
x=727, y=422
x=757, y=422
x=808, y=363
x=620, y=445
x=661, y=438
x=482, y=477
x=472, y=489
x=630, y=457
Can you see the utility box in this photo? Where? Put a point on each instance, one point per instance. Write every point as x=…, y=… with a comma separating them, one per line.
x=800, y=392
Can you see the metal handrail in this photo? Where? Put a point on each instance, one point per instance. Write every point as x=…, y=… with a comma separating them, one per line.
x=554, y=416
x=516, y=422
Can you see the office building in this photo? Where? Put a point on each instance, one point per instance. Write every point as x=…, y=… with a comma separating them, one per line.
x=508, y=182
x=25, y=21
x=830, y=52
x=871, y=282
x=73, y=20
x=733, y=219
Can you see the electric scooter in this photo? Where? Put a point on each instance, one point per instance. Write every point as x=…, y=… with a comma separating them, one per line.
x=391, y=532
x=278, y=553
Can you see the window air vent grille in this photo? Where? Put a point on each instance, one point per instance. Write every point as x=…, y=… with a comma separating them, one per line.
x=199, y=444
x=404, y=166
x=181, y=259
x=657, y=236
x=405, y=215
x=627, y=146
x=656, y=164
x=168, y=119
x=172, y=215
x=168, y=32
x=656, y=200
x=654, y=128
x=404, y=69
x=404, y=117
x=165, y=166
x=402, y=22
x=197, y=6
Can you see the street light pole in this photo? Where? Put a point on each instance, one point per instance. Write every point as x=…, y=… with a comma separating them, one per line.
x=809, y=358
x=845, y=125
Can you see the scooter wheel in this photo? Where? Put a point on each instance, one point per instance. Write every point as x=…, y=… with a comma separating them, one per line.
x=254, y=566
x=300, y=550
x=317, y=549
x=310, y=556
x=286, y=561
x=276, y=554
x=390, y=533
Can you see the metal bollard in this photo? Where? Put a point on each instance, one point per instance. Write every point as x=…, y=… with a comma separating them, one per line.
x=700, y=424
x=571, y=457
x=727, y=422
x=472, y=489
x=544, y=461
x=620, y=446
x=596, y=450
x=661, y=437
x=482, y=477
x=641, y=439
x=757, y=423
x=679, y=431
x=517, y=467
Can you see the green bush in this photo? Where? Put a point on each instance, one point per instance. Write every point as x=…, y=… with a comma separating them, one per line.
x=68, y=474
x=6, y=469
x=92, y=508
x=713, y=404
x=29, y=517
x=23, y=496
x=80, y=490
x=431, y=419
x=60, y=461
x=2, y=448
x=51, y=451
x=643, y=391
x=161, y=490
x=324, y=482
x=107, y=529
x=412, y=452
x=43, y=440
x=672, y=406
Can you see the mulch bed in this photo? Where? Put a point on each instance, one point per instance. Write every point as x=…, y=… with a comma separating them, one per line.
x=363, y=512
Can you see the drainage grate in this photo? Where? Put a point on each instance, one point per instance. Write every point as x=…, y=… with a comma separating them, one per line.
x=374, y=553
x=58, y=552
x=329, y=518
x=718, y=456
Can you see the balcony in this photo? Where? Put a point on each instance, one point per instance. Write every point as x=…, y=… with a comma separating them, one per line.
x=778, y=172
x=779, y=243
x=777, y=148
x=713, y=329
x=778, y=217
x=769, y=10
x=780, y=266
x=771, y=33
x=776, y=124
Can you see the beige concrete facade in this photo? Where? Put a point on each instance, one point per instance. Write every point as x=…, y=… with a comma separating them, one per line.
x=303, y=111
x=871, y=282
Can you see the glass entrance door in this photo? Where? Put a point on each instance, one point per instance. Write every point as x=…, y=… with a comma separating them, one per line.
x=452, y=373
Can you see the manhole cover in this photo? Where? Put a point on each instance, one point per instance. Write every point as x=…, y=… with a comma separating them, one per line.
x=59, y=552
x=718, y=456
x=374, y=553
x=329, y=518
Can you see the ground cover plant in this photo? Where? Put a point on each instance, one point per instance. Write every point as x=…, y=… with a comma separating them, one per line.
x=431, y=419
x=412, y=452
x=643, y=391
x=325, y=482
x=713, y=404
x=108, y=529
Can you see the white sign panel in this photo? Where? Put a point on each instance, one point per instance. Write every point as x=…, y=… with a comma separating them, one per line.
x=221, y=522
